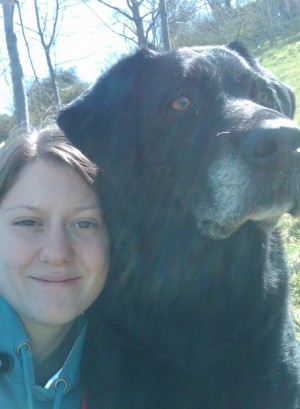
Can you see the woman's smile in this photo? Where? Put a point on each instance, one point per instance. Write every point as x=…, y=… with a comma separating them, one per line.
x=58, y=281
x=55, y=245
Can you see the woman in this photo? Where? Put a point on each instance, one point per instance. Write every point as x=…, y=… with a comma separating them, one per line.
x=54, y=255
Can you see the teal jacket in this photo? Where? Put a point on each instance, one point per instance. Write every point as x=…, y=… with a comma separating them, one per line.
x=17, y=382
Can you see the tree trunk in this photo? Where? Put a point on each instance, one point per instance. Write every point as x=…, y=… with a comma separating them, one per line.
x=53, y=80
x=47, y=45
x=20, y=100
x=164, y=25
x=138, y=21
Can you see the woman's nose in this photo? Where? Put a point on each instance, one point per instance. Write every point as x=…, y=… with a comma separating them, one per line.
x=56, y=247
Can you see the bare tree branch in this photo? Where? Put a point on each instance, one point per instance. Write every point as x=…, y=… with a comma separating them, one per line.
x=26, y=42
x=153, y=22
x=47, y=46
x=54, y=28
x=117, y=9
x=140, y=14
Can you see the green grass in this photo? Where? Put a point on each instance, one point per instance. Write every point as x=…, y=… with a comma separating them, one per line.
x=291, y=234
x=284, y=61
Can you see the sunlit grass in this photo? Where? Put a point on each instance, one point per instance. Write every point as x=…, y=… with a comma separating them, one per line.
x=284, y=61
x=291, y=234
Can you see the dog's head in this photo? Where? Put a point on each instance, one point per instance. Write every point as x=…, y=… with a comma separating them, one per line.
x=207, y=125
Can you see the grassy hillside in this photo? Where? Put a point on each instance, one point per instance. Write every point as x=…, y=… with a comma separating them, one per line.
x=284, y=62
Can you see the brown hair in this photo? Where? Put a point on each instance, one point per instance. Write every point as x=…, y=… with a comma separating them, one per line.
x=19, y=150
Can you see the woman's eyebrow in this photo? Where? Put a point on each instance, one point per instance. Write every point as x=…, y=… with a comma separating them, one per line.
x=21, y=207
x=34, y=208
x=94, y=207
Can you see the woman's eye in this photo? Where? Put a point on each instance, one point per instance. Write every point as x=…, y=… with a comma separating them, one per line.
x=27, y=223
x=181, y=103
x=87, y=224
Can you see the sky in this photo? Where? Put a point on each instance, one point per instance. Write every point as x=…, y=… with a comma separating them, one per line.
x=84, y=42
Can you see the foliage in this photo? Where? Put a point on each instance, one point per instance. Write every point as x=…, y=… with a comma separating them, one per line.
x=7, y=123
x=283, y=61
x=291, y=234
x=213, y=22
x=42, y=106
x=181, y=16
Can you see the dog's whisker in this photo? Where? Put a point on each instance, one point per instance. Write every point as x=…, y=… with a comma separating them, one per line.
x=223, y=133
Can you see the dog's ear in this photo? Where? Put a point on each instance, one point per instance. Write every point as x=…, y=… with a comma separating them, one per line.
x=286, y=99
x=102, y=121
x=243, y=51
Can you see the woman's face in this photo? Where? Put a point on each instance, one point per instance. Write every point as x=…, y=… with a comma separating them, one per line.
x=54, y=249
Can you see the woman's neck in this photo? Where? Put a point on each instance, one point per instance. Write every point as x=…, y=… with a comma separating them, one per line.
x=51, y=346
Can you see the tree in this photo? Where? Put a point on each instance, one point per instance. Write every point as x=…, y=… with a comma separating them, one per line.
x=48, y=38
x=20, y=101
x=40, y=95
x=203, y=22
x=143, y=22
x=164, y=25
x=133, y=21
x=265, y=13
x=182, y=17
x=7, y=123
x=219, y=7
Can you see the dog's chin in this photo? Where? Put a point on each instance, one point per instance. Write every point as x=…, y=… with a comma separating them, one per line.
x=220, y=231
x=221, y=225
x=215, y=230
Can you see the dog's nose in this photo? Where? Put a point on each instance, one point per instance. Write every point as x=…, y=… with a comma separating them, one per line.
x=277, y=139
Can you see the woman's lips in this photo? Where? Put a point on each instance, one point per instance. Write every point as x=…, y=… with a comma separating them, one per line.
x=56, y=281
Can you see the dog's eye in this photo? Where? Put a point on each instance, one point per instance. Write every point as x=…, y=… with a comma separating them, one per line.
x=181, y=103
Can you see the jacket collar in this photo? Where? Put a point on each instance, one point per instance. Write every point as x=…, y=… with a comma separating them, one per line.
x=13, y=334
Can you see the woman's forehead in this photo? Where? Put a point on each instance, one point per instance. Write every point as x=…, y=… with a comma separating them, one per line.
x=44, y=179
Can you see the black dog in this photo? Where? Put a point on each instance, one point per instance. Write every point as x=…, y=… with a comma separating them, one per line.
x=198, y=160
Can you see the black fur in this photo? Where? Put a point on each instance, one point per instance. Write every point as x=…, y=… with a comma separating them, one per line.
x=198, y=159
